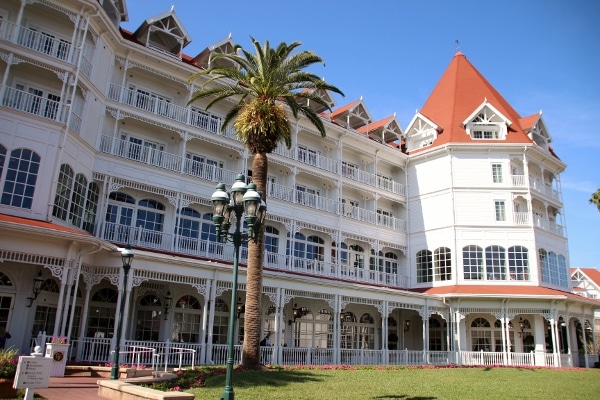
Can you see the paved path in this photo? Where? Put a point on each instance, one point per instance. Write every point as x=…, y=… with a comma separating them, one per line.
x=71, y=388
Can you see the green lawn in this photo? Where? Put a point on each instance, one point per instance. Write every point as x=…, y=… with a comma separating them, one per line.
x=408, y=383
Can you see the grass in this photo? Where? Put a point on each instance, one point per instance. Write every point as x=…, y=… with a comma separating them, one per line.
x=320, y=383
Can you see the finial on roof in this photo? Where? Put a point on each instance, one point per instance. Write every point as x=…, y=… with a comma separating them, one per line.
x=229, y=35
x=485, y=99
x=173, y=8
x=540, y=112
x=416, y=110
x=394, y=114
x=360, y=98
x=457, y=45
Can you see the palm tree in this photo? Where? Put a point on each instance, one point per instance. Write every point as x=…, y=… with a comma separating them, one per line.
x=263, y=83
x=595, y=199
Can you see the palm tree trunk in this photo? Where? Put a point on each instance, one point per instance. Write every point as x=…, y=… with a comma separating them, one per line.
x=253, y=312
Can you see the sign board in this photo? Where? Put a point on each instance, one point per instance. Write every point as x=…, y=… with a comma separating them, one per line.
x=32, y=372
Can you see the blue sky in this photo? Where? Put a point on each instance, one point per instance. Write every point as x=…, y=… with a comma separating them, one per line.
x=539, y=54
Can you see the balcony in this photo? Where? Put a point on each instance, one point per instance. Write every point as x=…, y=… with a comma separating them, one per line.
x=40, y=42
x=164, y=160
x=33, y=104
x=155, y=240
x=162, y=108
x=543, y=188
x=551, y=226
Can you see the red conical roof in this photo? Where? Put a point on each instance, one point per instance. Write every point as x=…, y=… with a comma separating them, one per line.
x=459, y=92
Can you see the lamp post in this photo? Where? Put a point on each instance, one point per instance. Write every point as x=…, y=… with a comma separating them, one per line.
x=126, y=258
x=226, y=208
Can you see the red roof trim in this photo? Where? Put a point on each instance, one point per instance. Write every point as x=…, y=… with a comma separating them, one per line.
x=40, y=224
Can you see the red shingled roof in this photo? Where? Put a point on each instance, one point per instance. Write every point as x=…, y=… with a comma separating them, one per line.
x=40, y=224
x=459, y=92
x=591, y=273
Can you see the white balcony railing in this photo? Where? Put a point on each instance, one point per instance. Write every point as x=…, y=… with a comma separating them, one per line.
x=40, y=42
x=165, y=109
x=157, y=240
x=521, y=218
x=33, y=104
x=518, y=180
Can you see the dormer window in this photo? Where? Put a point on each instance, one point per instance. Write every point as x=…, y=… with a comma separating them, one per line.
x=422, y=132
x=486, y=123
x=488, y=132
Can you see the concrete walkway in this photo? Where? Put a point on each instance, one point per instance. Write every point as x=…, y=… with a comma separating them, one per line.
x=71, y=388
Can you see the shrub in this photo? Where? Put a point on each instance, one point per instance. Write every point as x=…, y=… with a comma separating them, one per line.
x=9, y=359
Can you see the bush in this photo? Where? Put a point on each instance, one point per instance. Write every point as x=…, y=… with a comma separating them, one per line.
x=9, y=359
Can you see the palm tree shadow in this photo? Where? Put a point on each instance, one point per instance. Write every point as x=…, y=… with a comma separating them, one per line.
x=277, y=378
x=402, y=396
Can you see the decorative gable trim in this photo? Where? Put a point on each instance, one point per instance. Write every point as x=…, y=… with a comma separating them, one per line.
x=421, y=132
x=486, y=122
x=539, y=133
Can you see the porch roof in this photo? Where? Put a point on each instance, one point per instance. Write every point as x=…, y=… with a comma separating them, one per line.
x=10, y=220
x=502, y=291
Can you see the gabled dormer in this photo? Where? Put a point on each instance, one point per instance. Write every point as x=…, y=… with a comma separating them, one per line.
x=386, y=130
x=321, y=93
x=163, y=33
x=224, y=46
x=486, y=123
x=351, y=116
x=421, y=132
x=536, y=129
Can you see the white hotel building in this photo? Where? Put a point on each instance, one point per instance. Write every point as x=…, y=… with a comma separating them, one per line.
x=439, y=243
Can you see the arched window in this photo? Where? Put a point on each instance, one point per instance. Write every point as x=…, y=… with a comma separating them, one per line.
x=150, y=220
x=188, y=228
x=78, y=200
x=187, y=320
x=553, y=263
x=119, y=217
x=442, y=262
x=91, y=206
x=563, y=275
x=481, y=335
x=473, y=262
x=544, y=265
x=101, y=321
x=2, y=158
x=495, y=263
x=75, y=201
x=437, y=334
x=348, y=330
x=21, y=176
x=209, y=237
x=303, y=329
x=148, y=318
x=63, y=192
x=315, y=249
x=518, y=263
x=366, y=338
x=424, y=266
x=220, y=324
x=323, y=329
x=271, y=244
x=357, y=257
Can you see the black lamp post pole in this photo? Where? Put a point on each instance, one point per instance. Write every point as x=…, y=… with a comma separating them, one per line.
x=127, y=255
x=228, y=393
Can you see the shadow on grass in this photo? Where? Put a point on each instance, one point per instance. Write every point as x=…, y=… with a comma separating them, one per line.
x=274, y=378
x=404, y=397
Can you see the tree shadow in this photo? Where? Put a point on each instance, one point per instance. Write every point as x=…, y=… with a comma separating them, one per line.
x=274, y=378
x=405, y=397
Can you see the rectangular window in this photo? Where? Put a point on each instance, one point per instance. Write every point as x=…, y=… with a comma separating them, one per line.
x=500, y=209
x=497, y=173
x=486, y=135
